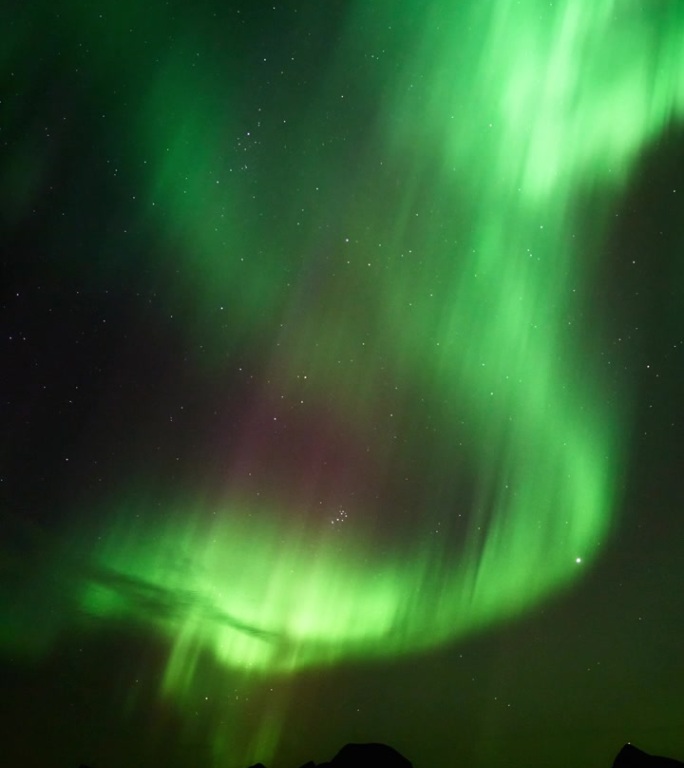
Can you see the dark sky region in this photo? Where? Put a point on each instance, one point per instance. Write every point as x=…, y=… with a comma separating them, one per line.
x=342, y=361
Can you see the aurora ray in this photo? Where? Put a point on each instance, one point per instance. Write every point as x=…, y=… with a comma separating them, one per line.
x=481, y=309
x=426, y=447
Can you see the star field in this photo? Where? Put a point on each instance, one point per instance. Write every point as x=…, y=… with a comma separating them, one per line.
x=343, y=355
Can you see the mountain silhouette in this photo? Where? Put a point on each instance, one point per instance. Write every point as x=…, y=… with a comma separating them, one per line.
x=375, y=755
x=632, y=757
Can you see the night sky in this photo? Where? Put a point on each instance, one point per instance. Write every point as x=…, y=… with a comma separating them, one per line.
x=342, y=381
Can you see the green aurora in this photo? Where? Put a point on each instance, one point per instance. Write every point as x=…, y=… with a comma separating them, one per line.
x=423, y=285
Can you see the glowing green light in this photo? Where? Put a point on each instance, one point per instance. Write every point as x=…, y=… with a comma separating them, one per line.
x=425, y=310
x=545, y=104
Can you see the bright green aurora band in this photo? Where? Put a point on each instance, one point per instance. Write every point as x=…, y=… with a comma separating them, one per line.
x=531, y=109
x=449, y=318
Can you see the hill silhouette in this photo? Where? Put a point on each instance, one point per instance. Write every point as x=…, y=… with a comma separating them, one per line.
x=633, y=757
x=374, y=755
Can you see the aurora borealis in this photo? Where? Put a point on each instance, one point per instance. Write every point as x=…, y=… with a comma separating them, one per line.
x=337, y=340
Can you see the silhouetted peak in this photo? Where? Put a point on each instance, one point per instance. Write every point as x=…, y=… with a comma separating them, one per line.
x=632, y=757
x=364, y=756
x=369, y=756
